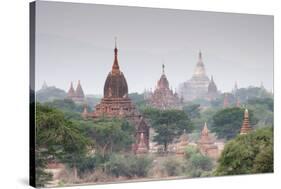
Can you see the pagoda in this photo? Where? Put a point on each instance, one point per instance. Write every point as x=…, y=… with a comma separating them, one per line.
x=206, y=144
x=212, y=90
x=246, y=128
x=117, y=104
x=163, y=97
x=76, y=95
x=197, y=86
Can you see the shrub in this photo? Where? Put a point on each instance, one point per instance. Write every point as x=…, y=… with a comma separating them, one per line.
x=173, y=166
x=128, y=166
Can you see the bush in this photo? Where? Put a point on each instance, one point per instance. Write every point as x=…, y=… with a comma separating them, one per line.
x=190, y=151
x=173, y=166
x=199, y=161
x=128, y=166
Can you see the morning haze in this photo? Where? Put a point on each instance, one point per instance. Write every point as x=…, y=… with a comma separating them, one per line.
x=76, y=42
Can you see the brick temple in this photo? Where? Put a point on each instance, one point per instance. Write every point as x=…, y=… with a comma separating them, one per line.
x=117, y=104
x=163, y=97
x=206, y=144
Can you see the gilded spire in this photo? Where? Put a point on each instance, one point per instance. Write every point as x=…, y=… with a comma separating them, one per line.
x=115, y=66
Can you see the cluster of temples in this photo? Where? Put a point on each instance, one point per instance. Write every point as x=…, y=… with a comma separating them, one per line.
x=76, y=95
x=116, y=103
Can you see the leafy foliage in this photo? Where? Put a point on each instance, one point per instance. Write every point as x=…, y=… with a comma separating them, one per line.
x=56, y=138
x=128, y=166
x=169, y=124
x=110, y=135
x=246, y=154
x=227, y=122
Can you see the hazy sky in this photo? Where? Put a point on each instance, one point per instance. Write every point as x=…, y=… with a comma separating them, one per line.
x=75, y=41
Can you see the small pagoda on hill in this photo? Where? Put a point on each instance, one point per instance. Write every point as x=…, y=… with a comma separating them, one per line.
x=163, y=97
x=117, y=104
x=206, y=144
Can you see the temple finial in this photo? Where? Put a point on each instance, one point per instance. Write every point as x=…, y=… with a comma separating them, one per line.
x=115, y=66
x=115, y=39
x=200, y=55
x=163, y=69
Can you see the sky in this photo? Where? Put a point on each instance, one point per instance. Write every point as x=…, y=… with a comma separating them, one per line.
x=76, y=42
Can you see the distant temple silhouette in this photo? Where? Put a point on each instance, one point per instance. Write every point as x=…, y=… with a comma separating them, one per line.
x=199, y=86
x=76, y=95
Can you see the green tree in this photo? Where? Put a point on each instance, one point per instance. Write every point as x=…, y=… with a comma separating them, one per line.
x=111, y=135
x=227, y=122
x=170, y=124
x=56, y=138
x=192, y=111
x=247, y=154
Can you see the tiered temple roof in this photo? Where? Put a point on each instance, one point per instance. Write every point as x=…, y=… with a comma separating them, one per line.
x=117, y=104
x=199, y=85
x=206, y=143
x=163, y=97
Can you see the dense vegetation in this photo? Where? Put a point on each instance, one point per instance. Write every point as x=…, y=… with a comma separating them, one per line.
x=247, y=154
x=100, y=150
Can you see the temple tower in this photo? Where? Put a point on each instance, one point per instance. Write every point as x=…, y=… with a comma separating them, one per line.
x=246, y=128
x=206, y=144
x=117, y=104
x=197, y=86
x=163, y=97
x=71, y=92
x=212, y=89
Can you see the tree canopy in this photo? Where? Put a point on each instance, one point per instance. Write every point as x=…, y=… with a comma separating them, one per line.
x=227, y=122
x=169, y=124
x=56, y=138
x=247, y=154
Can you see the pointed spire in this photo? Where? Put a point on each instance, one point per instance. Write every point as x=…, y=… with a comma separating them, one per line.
x=115, y=66
x=200, y=55
x=246, y=128
x=163, y=69
x=142, y=148
x=71, y=92
x=212, y=79
x=79, y=91
x=205, y=131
